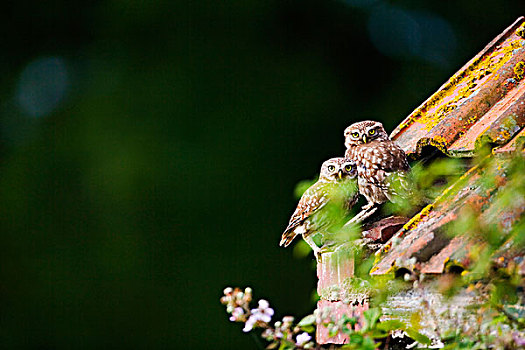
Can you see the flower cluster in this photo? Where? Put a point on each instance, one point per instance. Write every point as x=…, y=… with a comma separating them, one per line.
x=287, y=335
x=237, y=303
x=260, y=316
x=283, y=332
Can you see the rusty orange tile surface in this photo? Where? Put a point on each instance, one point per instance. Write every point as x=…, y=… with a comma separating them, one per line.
x=436, y=263
x=427, y=239
x=484, y=102
x=484, y=93
x=513, y=145
x=382, y=230
x=497, y=126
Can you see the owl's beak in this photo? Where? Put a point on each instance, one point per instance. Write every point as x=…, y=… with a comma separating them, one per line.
x=364, y=138
x=340, y=174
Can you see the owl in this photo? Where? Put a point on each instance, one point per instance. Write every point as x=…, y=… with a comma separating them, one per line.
x=325, y=204
x=382, y=165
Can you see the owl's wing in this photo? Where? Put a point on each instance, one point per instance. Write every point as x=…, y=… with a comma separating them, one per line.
x=394, y=159
x=402, y=163
x=352, y=200
x=398, y=168
x=316, y=197
x=390, y=174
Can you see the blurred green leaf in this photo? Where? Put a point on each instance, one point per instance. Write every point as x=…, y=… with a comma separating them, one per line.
x=301, y=249
x=307, y=321
x=332, y=331
x=390, y=325
x=420, y=338
x=369, y=344
x=371, y=316
x=273, y=345
x=308, y=329
x=377, y=333
x=286, y=345
x=302, y=186
x=355, y=338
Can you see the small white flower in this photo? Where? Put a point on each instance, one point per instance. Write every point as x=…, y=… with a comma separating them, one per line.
x=264, y=312
x=288, y=319
x=303, y=338
x=226, y=299
x=263, y=304
x=248, y=326
x=236, y=314
x=248, y=290
x=227, y=290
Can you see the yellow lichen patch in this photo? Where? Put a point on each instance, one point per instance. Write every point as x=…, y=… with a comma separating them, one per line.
x=471, y=119
x=450, y=263
x=516, y=44
x=521, y=31
x=462, y=85
x=390, y=270
x=417, y=218
x=519, y=70
x=375, y=268
x=380, y=253
x=505, y=134
x=452, y=98
x=440, y=143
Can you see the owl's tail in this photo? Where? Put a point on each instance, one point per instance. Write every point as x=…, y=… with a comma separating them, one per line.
x=287, y=237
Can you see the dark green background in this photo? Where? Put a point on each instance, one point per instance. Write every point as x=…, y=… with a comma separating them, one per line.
x=166, y=172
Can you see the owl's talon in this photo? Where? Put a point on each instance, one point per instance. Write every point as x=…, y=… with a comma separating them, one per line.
x=318, y=257
x=326, y=248
x=367, y=206
x=361, y=216
x=317, y=253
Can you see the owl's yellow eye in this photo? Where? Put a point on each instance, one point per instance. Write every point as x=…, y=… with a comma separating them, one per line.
x=348, y=168
x=355, y=134
x=372, y=132
x=331, y=168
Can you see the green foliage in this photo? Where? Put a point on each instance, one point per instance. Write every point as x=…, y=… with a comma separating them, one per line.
x=371, y=316
x=422, y=185
x=372, y=332
x=307, y=324
x=302, y=186
x=301, y=249
x=487, y=205
x=495, y=235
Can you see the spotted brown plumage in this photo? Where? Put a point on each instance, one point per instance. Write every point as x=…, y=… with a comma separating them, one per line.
x=325, y=204
x=381, y=164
